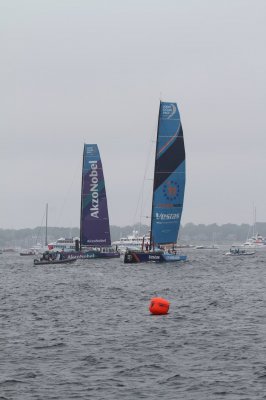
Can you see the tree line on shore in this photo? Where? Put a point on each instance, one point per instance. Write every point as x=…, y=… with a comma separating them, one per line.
x=189, y=234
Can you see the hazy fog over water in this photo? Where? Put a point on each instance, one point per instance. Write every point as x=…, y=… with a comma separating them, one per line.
x=94, y=71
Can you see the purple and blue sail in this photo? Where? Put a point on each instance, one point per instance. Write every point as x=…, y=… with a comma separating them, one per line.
x=169, y=176
x=94, y=223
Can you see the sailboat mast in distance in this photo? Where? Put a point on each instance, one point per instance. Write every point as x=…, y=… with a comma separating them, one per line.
x=94, y=219
x=169, y=176
x=46, y=222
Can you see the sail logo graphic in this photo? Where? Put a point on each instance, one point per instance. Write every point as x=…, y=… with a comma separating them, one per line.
x=171, y=190
x=91, y=150
x=167, y=217
x=94, y=189
x=168, y=110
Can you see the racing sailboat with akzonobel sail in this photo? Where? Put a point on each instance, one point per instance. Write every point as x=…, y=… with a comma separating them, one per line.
x=95, y=238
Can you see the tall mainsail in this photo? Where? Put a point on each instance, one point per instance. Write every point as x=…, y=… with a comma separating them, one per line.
x=169, y=176
x=94, y=220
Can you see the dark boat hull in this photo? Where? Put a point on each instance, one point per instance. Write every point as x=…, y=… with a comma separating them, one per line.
x=135, y=257
x=90, y=255
x=46, y=262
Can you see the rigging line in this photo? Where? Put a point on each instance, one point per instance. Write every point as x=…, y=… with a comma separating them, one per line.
x=40, y=228
x=67, y=194
x=141, y=192
x=140, y=196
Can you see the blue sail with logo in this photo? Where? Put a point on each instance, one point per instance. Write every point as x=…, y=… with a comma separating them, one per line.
x=168, y=191
x=94, y=220
x=169, y=176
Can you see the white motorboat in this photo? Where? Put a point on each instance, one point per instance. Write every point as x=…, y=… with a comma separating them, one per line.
x=134, y=241
x=255, y=242
x=65, y=244
x=212, y=247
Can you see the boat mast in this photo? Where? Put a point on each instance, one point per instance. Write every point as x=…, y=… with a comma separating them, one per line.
x=254, y=222
x=46, y=221
x=81, y=201
x=155, y=162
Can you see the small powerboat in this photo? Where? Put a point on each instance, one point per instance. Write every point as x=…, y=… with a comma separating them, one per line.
x=239, y=252
x=46, y=262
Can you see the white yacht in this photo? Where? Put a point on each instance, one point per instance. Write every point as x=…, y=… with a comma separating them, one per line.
x=34, y=250
x=211, y=247
x=134, y=241
x=256, y=241
x=64, y=244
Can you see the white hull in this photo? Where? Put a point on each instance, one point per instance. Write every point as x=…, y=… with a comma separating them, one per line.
x=240, y=253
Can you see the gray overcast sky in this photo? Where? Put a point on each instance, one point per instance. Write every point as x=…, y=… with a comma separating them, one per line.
x=76, y=71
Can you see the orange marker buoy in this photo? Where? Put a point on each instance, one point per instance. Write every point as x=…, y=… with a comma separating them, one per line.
x=159, y=306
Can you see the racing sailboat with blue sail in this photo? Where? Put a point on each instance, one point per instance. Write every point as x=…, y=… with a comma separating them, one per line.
x=168, y=191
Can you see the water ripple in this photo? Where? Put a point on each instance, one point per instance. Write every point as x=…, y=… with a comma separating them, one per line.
x=85, y=331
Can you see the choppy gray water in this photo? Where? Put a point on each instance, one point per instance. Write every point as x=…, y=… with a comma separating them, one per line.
x=84, y=331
